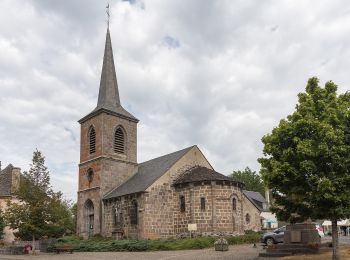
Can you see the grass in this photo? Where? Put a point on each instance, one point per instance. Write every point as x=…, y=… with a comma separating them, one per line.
x=106, y=245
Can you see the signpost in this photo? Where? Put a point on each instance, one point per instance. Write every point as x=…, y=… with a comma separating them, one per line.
x=192, y=227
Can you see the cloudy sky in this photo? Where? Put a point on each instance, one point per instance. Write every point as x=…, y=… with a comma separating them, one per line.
x=219, y=74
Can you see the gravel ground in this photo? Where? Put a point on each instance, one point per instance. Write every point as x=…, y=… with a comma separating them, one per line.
x=241, y=252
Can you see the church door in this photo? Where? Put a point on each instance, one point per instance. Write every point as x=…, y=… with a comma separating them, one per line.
x=89, y=217
x=91, y=225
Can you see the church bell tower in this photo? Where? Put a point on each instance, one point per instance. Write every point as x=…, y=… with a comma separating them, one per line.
x=108, y=149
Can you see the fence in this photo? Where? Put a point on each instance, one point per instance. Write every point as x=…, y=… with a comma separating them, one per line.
x=38, y=244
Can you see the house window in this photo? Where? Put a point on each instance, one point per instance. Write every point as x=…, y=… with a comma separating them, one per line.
x=202, y=203
x=234, y=204
x=182, y=204
x=119, y=141
x=133, y=213
x=92, y=140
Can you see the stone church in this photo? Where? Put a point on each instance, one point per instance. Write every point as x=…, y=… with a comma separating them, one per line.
x=119, y=197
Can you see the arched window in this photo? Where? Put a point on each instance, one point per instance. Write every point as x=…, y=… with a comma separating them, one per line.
x=133, y=213
x=92, y=140
x=119, y=141
x=182, y=204
x=234, y=204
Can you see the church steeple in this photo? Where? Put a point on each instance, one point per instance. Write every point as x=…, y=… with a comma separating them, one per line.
x=108, y=97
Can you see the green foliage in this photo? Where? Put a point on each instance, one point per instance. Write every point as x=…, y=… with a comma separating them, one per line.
x=251, y=179
x=74, y=210
x=42, y=212
x=100, y=245
x=2, y=224
x=306, y=161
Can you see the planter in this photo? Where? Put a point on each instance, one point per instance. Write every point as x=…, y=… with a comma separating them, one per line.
x=221, y=247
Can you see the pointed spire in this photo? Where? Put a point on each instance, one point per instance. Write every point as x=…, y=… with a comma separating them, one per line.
x=108, y=96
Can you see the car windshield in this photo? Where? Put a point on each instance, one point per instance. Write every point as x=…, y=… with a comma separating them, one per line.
x=281, y=229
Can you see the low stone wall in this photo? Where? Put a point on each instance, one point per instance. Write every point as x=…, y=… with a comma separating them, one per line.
x=12, y=250
x=38, y=244
x=207, y=234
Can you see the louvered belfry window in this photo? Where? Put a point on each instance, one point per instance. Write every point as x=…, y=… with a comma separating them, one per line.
x=119, y=141
x=92, y=140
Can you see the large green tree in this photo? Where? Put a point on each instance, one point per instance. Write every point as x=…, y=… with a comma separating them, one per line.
x=251, y=179
x=306, y=161
x=41, y=211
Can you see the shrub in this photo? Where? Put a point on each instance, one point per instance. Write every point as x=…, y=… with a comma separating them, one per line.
x=99, y=244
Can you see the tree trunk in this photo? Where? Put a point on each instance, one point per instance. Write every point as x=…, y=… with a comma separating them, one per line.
x=33, y=248
x=335, y=240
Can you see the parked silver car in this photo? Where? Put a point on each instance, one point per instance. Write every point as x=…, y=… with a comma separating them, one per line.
x=277, y=235
x=273, y=237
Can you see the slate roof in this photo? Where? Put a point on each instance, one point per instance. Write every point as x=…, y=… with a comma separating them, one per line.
x=6, y=181
x=200, y=173
x=108, y=96
x=256, y=198
x=148, y=173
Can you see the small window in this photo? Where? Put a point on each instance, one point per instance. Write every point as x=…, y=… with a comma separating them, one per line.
x=202, y=203
x=133, y=213
x=247, y=218
x=182, y=204
x=234, y=204
x=92, y=140
x=119, y=141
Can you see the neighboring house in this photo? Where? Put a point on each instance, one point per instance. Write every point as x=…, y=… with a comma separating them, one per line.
x=9, y=184
x=118, y=197
x=260, y=207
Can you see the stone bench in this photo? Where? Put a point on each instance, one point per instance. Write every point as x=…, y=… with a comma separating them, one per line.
x=64, y=248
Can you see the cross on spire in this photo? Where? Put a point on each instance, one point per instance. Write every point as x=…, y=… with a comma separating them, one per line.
x=108, y=15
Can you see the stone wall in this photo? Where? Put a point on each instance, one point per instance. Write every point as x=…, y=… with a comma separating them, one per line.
x=218, y=215
x=110, y=169
x=123, y=227
x=249, y=209
x=92, y=194
x=159, y=214
x=161, y=201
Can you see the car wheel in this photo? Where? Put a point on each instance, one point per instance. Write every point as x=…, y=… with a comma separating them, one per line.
x=269, y=241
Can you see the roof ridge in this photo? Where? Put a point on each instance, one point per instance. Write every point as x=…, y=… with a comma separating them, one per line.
x=8, y=166
x=190, y=147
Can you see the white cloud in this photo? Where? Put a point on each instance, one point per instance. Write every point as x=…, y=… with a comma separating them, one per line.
x=219, y=74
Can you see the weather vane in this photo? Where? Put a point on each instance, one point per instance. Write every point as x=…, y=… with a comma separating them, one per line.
x=108, y=15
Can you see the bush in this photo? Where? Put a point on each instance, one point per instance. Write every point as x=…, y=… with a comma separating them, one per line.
x=99, y=244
